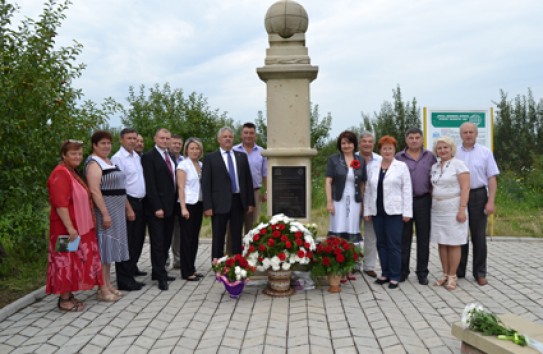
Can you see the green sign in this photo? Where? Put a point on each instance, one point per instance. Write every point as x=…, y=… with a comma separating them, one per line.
x=456, y=119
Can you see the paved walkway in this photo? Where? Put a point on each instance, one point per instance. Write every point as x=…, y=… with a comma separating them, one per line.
x=199, y=317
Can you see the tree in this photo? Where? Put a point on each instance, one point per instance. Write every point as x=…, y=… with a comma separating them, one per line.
x=164, y=107
x=38, y=109
x=394, y=119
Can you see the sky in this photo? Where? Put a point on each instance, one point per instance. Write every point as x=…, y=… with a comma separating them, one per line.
x=448, y=54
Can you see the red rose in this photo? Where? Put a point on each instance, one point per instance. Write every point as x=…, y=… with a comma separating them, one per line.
x=328, y=249
x=256, y=238
x=276, y=234
x=262, y=247
x=243, y=263
x=340, y=258
x=298, y=234
x=299, y=242
x=307, y=245
x=355, y=256
x=301, y=254
x=281, y=227
x=282, y=256
x=325, y=261
x=251, y=249
x=288, y=244
x=230, y=262
x=260, y=259
x=355, y=164
x=309, y=254
x=284, y=238
x=271, y=242
x=337, y=251
x=346, y=246
x=263, y=231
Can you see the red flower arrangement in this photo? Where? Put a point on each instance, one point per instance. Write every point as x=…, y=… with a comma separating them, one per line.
x=335, y=256
x=233, y=268
x=355, y=164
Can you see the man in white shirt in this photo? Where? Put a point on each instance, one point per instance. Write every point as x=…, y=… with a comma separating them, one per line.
x=129, y=163
x=483, y=184
x=366, y=143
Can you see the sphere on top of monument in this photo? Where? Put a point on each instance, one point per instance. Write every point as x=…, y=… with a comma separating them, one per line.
x=286, y=17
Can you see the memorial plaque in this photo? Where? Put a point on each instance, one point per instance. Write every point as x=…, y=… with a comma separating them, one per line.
x=289, y=191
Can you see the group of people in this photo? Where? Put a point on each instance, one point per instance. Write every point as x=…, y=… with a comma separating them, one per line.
x=106, y=213
x=445, y=194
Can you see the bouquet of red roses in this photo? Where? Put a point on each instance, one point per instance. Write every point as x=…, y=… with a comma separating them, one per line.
x=335, y=256
x=233, y=268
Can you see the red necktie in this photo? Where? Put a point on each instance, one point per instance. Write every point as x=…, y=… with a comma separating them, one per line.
x=167, y=158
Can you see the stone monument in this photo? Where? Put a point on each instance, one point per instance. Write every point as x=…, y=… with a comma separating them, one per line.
x=288, y=73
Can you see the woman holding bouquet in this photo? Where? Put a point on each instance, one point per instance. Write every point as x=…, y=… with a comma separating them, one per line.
x=344, y=185
x=71, y=215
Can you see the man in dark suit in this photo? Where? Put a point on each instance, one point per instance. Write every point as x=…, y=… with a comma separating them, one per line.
x=160, y=185
x=228, y=193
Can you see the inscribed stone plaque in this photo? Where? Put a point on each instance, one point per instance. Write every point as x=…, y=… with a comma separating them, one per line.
x=289, y=191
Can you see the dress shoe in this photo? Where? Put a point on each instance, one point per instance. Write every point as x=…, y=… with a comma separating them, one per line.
x=482, y=281
x=139, y=273
x=168, y=278
x=423, y=280
x=142, y=284
x=403, y=278
x=371, y=273
x=192, y=278
x=130, y=287
x=380, y=281
x=392, y=285
x=163, y=285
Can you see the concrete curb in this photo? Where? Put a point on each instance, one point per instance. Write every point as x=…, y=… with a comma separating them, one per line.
x=21, y=303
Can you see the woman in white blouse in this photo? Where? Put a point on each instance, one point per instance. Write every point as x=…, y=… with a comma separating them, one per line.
x=388, y=203
x=189, y=173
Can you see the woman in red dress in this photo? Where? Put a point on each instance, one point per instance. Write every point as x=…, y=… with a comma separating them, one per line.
x=71, y=215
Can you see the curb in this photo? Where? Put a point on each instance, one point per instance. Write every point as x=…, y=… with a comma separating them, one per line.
x=21, y=303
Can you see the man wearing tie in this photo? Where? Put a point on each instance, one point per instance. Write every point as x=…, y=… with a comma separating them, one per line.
x=228, y=192
x=160, y=185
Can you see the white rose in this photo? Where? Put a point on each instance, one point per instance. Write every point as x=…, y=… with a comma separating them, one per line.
x=286, y=266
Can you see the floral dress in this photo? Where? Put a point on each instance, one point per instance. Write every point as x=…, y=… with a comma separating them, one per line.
x=70, y=271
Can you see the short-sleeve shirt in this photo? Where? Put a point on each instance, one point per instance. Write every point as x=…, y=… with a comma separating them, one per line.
x=445, y=181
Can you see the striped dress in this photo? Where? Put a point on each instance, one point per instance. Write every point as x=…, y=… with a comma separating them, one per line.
x=112, y=241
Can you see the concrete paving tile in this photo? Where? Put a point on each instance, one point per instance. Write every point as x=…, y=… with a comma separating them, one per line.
x=134, y=349
x=169, y=342
x=45, y=348
x=144, y=342
x=347, y=350
x=16, y=340
x=271, y=349
x=26, y=349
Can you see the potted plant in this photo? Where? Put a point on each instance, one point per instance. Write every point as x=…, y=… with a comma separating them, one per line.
x=233, y=271
x=275, y=246
x=335, y=257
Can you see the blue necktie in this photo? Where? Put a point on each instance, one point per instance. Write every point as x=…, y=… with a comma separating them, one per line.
x=231, y=172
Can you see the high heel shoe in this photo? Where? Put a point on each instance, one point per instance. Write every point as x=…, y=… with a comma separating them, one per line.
x=451, y=282
x=441, y=281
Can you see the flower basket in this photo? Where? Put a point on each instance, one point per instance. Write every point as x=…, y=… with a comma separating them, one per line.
x=277, y=245
x=335, y=256
x=233, y=271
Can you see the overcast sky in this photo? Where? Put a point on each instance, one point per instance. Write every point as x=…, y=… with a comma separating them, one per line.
x=446, y=53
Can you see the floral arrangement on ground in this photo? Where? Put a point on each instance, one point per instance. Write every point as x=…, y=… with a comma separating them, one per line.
x=233, y=268
x=335, y=256
x=279, y=244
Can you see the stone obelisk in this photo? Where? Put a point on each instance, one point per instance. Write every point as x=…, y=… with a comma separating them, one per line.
x=288, y=73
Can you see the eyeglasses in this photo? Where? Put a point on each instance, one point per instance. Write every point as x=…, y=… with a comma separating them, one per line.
x=74, y=141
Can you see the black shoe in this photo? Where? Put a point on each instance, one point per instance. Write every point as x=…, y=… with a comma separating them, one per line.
x=142, y=284
x=392, y=285
x=192, y=278
x=129, y=287
x=380, y=281
x=168, y=278
x=403, y=278
x=139, y=273
x=199, y=275
x=163, y=285
x=423, y=280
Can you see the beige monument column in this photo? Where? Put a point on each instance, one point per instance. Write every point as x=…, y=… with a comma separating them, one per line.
x=288, y=73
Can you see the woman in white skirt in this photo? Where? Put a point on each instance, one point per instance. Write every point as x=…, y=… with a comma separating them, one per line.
x=449, y=229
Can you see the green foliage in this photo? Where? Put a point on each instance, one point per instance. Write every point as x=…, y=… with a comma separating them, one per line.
x=38, y=111
x=394, y=118
x=164, y=107
x=518, y=133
